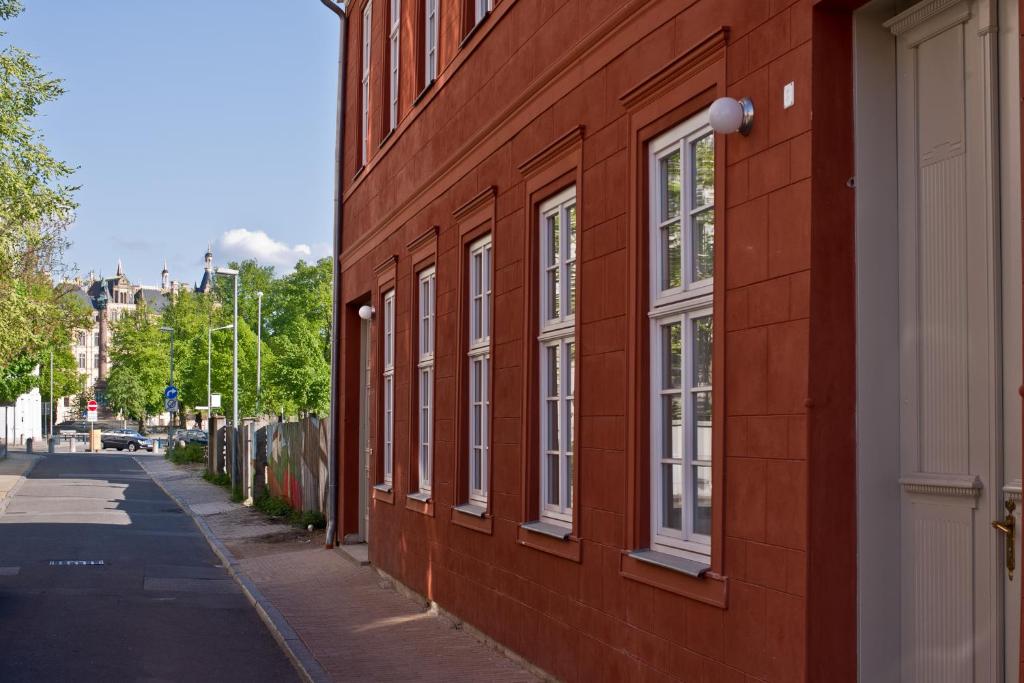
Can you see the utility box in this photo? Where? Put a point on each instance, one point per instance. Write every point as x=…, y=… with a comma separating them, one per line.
x=95, y=440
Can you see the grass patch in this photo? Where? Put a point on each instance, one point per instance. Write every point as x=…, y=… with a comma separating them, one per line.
x=191, y=453
x=223, y=479
x=278, y=508
x=236, y=495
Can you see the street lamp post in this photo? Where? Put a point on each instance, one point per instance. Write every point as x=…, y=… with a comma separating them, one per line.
x=209, y=363
x=171, y=382
x=51, y=397
x=259, y=347
x=234, y=381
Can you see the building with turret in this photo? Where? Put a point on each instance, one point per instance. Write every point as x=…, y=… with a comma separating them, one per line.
x=110, y=299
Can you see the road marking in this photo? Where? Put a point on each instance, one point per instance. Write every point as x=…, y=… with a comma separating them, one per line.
x=9, y=571
x=74, y=563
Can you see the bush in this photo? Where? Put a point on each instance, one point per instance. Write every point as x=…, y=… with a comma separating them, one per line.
x=191, y=453
x=223, y=479
x=279, y=508
x=273, y=506
x=236, y=495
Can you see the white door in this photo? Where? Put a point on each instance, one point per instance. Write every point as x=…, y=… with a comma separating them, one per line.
x=959, y=611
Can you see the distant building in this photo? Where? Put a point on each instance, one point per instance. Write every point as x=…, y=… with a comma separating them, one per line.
x=111, y=299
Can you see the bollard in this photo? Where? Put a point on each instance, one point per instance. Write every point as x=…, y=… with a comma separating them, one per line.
x=28, y=444
x=72, y=440
x=51, y=445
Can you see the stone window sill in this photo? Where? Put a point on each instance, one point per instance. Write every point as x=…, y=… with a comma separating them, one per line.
x=473, y=516
x=384, y=493
x=550, y=538
x=689, y=578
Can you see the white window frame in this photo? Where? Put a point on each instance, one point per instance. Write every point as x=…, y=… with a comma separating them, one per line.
x=556, y=334
x=430, y=41
x=388, y=384
x=395, y=58
x=426, y=322
x=682, y=304
x=482, y=9
x=481, y=270
x=364, y=128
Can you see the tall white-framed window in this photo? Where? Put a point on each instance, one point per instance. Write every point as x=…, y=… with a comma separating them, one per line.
x=482, y=7
x=682, y=232
x=364, y=126
x=425, y=381
x=557, y=355
x=394, y=36
x=479, y=362
x=388, y=381
x=430, y=41
x=81, y=361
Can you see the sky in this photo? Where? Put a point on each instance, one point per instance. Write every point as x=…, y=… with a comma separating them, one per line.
x=191, y=122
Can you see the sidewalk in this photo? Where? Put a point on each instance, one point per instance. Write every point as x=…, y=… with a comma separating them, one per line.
x=347, y=618
x=13, y=470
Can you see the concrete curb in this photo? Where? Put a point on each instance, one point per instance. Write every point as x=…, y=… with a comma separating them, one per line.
x=21, y=482
x=302, y=659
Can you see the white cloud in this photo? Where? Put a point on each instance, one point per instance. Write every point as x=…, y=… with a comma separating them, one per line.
x=241, y=244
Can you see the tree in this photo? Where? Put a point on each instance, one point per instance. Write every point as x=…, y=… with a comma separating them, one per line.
x=301, y=376
x=138, y=367
x=190, y=315
x=67, y=381
x=36, y=206
x=299, y=326
x=252, y=278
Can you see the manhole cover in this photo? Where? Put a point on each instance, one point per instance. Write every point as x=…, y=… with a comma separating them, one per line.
x=74, y=563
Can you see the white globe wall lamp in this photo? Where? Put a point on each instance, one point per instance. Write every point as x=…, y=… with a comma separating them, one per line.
x=728, y=115
x=366, y=312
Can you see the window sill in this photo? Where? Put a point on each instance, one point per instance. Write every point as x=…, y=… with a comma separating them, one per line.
x=475, y=28
x=387, y=136
x=550, y=538
x=548, y=529
x=384, y=493
x=359, y=172
x=423, y=93
x=679, y=564
x=472, y=516
x=677, y=575
x=420, y=502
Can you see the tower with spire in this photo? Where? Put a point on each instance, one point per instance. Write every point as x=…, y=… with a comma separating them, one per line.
x=165, y=278
x=206, y=285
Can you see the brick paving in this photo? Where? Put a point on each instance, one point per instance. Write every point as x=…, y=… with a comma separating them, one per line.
x=354, y=623
x=360, y=629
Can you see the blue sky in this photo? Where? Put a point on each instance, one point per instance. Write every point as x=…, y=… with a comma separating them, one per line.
x=192, y=121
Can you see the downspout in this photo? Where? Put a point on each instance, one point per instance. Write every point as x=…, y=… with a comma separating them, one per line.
x=335, y=413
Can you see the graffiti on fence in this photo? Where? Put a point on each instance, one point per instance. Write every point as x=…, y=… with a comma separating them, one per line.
x=297, y=462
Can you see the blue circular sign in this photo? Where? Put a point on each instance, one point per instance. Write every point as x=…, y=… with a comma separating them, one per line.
x=171, y=392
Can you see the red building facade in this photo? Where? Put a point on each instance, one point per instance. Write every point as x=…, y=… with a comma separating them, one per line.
x=600, y=366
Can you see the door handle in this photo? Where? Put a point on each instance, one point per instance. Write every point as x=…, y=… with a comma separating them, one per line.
x=1008, y=528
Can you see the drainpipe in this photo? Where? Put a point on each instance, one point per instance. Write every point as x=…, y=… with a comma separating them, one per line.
x=335, y=413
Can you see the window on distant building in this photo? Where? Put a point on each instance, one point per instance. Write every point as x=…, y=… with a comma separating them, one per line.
x=364, y=130
x=389, y=385
x=430, y=41
x=80, y=338
x=682, y=237
x=81, y=361
x=96, y=361
x=425, y=376
x=479, y=360
x=96, y=338
x=394, y=60
x=557, y=355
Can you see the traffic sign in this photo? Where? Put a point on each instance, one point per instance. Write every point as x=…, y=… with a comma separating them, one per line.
x=214, y=400
x=92, y=405
x=171, y=392
x=171, y=405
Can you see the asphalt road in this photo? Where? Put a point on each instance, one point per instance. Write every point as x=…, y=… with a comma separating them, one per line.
x=158, y=608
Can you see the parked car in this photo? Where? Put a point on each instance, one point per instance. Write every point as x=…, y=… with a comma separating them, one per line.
x=176, y=434
x=197, y=436
x=125, y=438
x=76, y=426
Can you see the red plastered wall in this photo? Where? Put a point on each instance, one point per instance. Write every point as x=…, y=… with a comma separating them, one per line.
x=535, y=70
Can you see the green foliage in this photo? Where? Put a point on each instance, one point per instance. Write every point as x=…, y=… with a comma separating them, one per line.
x=191, y=453
x=36, y=206
x=279, y=508
x=67, y=381
x=139, y=365
x=222, y=479
x=81, y=402
x=236, y=495
x=16, y=378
